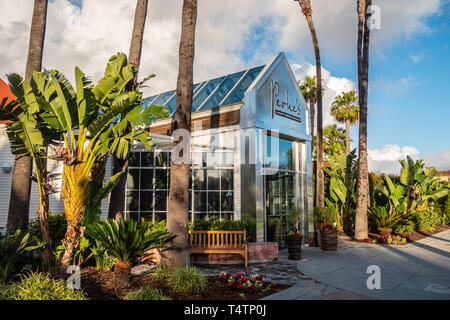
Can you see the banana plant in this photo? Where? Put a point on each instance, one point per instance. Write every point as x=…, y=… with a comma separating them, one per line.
x=343, y=185
x=396, y=194
x=87, y=118
x=30, y=137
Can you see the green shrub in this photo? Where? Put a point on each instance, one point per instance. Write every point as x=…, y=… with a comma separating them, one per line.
x=381, y=217
x=326, y=215
x=199, y=225
x=426, y=219
x=126, y=240
x=40, y=286
x=57, y=227
x=12, y=249
x=406, y=225
x=160, y=273
x=103, y=260
x=145, y=294
x=7, y=292
x=228, y=225
x=157, y=225
x=187, y=279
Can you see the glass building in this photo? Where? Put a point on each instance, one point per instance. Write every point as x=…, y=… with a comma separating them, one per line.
x=250, y=154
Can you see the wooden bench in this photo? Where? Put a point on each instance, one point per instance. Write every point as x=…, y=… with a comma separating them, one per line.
x=205, y=242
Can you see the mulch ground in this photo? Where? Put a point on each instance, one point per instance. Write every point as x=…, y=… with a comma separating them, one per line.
x=411, y=236
x=100, y=285
x=417, y=235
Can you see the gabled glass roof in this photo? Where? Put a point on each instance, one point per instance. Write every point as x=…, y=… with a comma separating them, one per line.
x=213, y=93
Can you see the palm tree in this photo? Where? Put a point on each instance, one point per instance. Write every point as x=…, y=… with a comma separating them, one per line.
x=117, y=198
x=19, y=202
x=361, y=226
x=345, y=109
x=333, y=142
x=320, y=189
x=309, y=89
x=178, y=203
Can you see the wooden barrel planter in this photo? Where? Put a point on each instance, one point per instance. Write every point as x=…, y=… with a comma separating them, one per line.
x=294, y=244
x=329, y=240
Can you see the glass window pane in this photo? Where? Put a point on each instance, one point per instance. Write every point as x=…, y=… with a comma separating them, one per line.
x=227, y=179
x=226, y=215
x=213, y=201
x=146, y=159
x=199, y=179
x=227, y=201
x=161, y=159
x=146, y=178
x=238, y=93
x=148, y=215
x=200, y=201
x=213, y=216
x=162, y=99
x=213, y=179
x=159, y=216
x=205, y=92
x=133, y=179
x=161, y=200
x=228, y=159
x=146, y=201
x=213, y=159
x=161, y=179
x=200, y=215
x=134, y=159
x=134, y=216
x=132, y=201
x=223, y=90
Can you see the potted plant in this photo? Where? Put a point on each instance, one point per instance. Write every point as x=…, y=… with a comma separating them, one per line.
x=294, y=237
x=326, y=221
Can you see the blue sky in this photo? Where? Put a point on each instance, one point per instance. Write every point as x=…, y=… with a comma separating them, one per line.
x=409, y=92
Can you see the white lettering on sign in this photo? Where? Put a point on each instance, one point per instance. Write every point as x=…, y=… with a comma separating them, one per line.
x=279, y=106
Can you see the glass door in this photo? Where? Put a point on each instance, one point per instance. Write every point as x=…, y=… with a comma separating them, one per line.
x=280, y=199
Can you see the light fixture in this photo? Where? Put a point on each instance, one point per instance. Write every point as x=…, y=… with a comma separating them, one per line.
x=7, y=167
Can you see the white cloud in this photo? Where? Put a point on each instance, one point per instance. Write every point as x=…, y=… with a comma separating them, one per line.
x=398, y=86
x=225, y=38
x=386, y=159
x=440, y=159
x=333, y=86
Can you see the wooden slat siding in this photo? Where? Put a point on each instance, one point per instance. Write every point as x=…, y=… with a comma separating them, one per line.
x=220, y=120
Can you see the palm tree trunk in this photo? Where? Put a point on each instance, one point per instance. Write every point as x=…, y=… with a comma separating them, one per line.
x=178, y=204
x=19, y=202
x=361, y=226
x=117, y=198
x=312, y=122
x=320, y=187
x=347, y=136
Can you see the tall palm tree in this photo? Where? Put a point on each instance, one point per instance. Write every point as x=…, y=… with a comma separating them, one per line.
x=320, y=189
x=345, y=109
x=178, y=204
x=308, y=88
x=117, y=198
x=19, y=202
x=361, y=227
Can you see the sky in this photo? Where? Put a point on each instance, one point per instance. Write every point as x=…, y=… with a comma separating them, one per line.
x=408, y=109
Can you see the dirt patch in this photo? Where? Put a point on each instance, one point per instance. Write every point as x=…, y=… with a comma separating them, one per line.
x=100, y=285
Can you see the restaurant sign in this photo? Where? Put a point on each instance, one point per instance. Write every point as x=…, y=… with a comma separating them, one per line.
x=283, y=108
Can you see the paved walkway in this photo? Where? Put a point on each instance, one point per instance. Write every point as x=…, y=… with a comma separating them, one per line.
x=419, y=270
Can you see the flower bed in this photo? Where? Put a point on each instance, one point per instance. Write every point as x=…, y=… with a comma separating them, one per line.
x=100, y=285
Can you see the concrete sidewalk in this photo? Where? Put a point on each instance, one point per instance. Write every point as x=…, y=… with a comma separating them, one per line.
x=419, y=270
